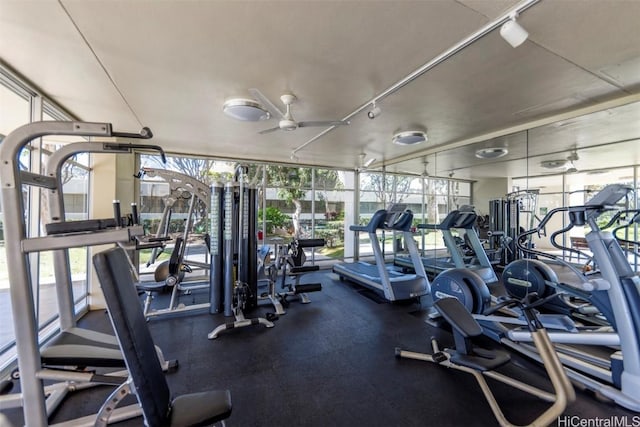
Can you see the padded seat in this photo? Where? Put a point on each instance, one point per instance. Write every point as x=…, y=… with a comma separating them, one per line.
x=151, y=287
x=82, y=347
x=186, y=410
x=304, y=269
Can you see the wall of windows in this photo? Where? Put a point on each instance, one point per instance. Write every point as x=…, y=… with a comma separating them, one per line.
x=14, y=112
x=20, y=105
x=310, y=202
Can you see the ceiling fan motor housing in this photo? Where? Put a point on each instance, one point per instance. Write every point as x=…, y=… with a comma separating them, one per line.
x=286, y=124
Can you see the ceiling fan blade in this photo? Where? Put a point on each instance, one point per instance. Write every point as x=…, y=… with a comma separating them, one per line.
x=322, y=123
x=262, y=132
x=266, y=103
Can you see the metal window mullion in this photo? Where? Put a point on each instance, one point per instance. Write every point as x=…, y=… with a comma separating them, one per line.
x=423, y=236
x=313, y=213
x=15, y=84
x=87, y=204
x=356, y=216
x=34, y=207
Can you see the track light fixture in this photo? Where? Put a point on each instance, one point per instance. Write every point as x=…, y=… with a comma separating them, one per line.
x=513, y=32
x=374, y=112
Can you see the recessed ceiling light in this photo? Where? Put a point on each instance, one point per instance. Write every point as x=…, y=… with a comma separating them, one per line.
x=410, y=137
x=491, y=152
x=553, y=164
x=245, y=109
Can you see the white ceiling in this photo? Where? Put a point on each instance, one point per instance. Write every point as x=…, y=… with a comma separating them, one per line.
x=170, y=65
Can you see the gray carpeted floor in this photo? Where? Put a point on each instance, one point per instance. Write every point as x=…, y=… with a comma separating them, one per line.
x=328, y=363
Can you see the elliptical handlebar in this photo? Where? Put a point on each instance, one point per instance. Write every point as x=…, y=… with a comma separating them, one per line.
x=527, y=305
x=634, y=219
x=604, y=200
x=577, y=216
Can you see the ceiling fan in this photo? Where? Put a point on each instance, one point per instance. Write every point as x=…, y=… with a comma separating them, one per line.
x=364, y=162
x=571, y=167
x=287, y=122
x=568, y=163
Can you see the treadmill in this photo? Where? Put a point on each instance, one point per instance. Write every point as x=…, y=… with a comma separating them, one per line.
x=394, y=284
x=463, y=219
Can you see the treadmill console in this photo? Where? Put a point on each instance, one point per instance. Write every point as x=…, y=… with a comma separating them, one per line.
x=608, y=197
x=394, y=210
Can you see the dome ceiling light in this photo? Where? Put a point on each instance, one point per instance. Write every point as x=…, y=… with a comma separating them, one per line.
x=553, y=164
x=245, y=109
x=411, y=137
x=491, y=152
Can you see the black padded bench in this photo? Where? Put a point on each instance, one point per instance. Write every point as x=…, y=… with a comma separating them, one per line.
x=294, y=262
x=147, y=379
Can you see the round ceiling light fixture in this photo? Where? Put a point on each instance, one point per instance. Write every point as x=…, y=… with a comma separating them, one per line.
x=410, y=137
x=491, y=152
x=553, y=164
x=245, y=109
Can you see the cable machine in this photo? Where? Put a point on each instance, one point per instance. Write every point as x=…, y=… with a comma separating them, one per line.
x=180, y=186
x=234, y=253
x=508, y=218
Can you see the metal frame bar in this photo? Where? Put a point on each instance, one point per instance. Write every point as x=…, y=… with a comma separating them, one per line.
x=18, y=248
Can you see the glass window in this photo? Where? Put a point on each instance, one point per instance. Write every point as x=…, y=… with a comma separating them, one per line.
x=14, y=112
x=164, y=211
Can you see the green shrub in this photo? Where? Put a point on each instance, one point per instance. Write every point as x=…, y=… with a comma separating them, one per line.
x=273, y=217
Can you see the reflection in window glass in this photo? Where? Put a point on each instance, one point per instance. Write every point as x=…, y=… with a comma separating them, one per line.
x=571, y=190
x=159, y=205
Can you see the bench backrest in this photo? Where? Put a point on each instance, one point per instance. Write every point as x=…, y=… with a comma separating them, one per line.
x=125, y=312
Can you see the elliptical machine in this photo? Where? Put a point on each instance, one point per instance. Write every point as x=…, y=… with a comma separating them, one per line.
x=555, y=276
x=616, y=294
x=483, y=363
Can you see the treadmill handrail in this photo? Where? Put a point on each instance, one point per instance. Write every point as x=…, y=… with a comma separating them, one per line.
x=376, y=222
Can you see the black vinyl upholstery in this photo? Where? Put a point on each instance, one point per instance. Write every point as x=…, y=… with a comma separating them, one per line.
x=133, y=335
x=458, y=316
x=82, y=347
x=140, y=354
x=465, y=326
